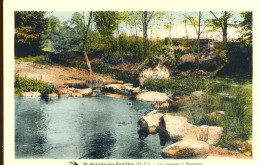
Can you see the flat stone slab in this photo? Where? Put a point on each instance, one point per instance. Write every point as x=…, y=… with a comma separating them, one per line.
x=31, y=94
x=186, y=148
x=152, y=96
x=117, y=96
x=53, y=95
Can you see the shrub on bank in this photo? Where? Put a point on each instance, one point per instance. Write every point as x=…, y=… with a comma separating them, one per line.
x=27, y=85
x=176, y=86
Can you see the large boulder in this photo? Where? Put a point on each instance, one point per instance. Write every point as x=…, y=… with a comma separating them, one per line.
x=159, y=72
x=85, y=92
x=149, y=123
x=176, y=128
x=213, y=134
x=173, y=128
x=152, y=96
x=186, y=148
x=53, y=95
x=31, y=94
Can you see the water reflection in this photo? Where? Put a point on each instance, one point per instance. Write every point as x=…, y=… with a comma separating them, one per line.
x=30, y=120
x=100, y=145
x=86, y=128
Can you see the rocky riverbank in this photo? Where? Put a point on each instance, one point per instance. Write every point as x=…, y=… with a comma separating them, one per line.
x=187, y=140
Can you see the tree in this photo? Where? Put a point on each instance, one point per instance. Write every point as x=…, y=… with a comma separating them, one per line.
x=85, y=35
x=197, y=24
x=146, y=18
x=29, y=27
x=186, y=22
x=106, y=23
x=133, y=19
x=170, y=19
x=56, y=36
x=80, y=30
x=246, y=25
x=221, y=23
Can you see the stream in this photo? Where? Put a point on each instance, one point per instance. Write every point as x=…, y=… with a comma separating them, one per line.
x=82, y=128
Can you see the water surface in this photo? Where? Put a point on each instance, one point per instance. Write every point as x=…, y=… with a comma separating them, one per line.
x=82, y=128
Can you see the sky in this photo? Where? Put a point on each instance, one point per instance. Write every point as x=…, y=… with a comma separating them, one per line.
x=158, y=29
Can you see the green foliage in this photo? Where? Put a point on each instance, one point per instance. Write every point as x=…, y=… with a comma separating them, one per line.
x=237, y=121
x=170, y=58
x=218, y=23
x=69, y=36
x=221, y=23
x=237, y=55
x=42, y=59
x=106, y=22
x=27, y=85
x=29, y=27
x=176, y=86
x=247, y=24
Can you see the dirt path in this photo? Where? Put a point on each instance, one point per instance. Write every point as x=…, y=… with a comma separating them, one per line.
x=57, y=75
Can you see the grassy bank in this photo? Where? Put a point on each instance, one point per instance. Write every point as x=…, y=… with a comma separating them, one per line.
x=27, y=85
x=41, y=59
x=233, y=97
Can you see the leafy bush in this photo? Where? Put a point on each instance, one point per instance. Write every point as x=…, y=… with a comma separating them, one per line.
x=26, y=85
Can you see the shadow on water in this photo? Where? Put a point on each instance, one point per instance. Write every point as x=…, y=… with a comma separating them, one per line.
x=26, y=145
x=100, y=146
x=136, y=150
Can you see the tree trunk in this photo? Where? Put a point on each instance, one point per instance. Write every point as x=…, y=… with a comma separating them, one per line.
x=170, y=33
x=225, y=26
x=199, y=26
x=145, y=37
x=186, y=29
x=85, y=35
x=89, y=66
x=198, y=55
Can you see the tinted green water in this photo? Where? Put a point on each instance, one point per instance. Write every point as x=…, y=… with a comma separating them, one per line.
x=82, y=128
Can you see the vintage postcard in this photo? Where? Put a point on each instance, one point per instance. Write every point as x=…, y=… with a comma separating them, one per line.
x=131, y=83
